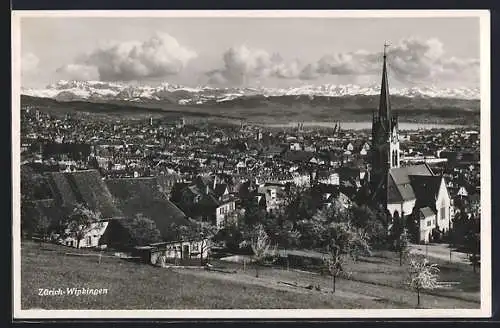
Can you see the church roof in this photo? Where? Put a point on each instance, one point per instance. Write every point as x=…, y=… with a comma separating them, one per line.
x=426, y=189
x=401, y=188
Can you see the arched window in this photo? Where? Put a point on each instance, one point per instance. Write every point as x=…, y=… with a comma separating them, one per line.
x=443, y=210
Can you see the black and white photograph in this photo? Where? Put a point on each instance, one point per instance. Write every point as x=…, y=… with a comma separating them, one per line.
x=253, y=164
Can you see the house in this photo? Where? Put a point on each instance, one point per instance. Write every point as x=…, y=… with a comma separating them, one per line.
x=183, y=252
x=91, y=239
x=462, y=192
x=180, y=252
x=328, y=177
x=87, y=188
x=273, y=195
x=142, y=196
x=301, y=179
x=426, y=223
x=205, y=200
x=349, y=147
x=223, y=210
x=295, y=146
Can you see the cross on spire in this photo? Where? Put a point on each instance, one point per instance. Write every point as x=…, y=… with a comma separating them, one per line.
x=386, y=45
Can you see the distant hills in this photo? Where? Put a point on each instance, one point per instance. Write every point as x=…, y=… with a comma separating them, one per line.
x=309, y=103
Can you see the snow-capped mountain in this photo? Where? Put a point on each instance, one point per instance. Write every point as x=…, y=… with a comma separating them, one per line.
x=97, y=90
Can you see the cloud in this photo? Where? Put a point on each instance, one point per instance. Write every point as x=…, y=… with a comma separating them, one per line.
x=159, y=56
x=29, y=62
x=79, y=72
x=243, y=63
x=412, y=60
x=425, y=60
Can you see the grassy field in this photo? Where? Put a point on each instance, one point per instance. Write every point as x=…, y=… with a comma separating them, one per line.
x=140, y=286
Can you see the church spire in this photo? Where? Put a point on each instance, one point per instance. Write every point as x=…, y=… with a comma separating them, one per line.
x=384, y=109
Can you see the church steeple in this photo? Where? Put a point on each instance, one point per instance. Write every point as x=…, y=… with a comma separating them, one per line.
x=385, y=140
x=384, y=109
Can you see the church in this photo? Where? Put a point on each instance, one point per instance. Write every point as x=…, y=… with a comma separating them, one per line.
x=410, y=192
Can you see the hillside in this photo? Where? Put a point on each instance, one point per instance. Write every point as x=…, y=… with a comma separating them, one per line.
x=279, y=109
x=376, y=283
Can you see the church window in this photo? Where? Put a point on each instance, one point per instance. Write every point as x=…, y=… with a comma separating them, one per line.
x=443, y=211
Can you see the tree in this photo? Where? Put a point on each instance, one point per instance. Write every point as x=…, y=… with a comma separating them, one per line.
x=204, y=231
x=144, y=230
x=42, y=225
x=334, y=263
x=346, y=242
x=253, y=214
x=198, y=231
x=396, y=228
x=299, y=203
x=312, y=230
x=474, y=245
x=33, y=185
x=80, y=222
x=230, y=235
x=373, y=222
x=262, y=251
x=401, y=245
x=423, y=275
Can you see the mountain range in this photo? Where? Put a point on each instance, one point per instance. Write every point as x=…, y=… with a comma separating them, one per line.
x=96, y=90
x=306, y=103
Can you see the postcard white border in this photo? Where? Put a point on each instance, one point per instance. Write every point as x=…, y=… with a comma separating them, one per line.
x=485, y=309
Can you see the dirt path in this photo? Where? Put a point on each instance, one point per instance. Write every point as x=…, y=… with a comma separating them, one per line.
x=441, y=252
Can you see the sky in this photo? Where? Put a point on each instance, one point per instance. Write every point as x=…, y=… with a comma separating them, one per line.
x=269, y=52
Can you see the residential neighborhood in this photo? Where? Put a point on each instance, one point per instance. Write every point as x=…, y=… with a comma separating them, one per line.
x=340, y=174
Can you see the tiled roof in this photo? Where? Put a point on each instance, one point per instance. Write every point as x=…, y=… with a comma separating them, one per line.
x=427, y=212
x=426, y=189
x=86, y=187
x=143, y=196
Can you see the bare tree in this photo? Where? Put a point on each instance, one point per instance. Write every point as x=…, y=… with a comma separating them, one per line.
x=334, y=262
x=423, y=275
x=347, y=243
x=263, y=252
x=204, y=232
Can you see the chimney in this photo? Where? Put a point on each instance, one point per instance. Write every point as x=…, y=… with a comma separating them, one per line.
x=207, y=190
x=215, y=181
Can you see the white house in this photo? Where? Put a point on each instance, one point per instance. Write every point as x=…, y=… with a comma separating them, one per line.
x=223, y=210
x=301, y=179
x=295, y=146
x=91, y=237
x=330, y=178
x=176, y=251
